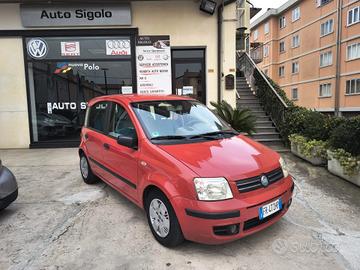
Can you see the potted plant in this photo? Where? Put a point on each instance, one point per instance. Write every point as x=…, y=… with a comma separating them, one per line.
x=240, y=120
x=344, y=157
x=343, y=164
x=314, y=151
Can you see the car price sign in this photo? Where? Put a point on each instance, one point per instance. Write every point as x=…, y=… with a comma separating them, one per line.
x=153, y=58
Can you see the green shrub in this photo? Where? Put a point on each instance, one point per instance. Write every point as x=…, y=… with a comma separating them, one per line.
x=310, y=148
x=349, y=163
x=240, y=120
x=347, y=136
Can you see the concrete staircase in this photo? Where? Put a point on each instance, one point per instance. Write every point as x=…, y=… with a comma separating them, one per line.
x=266, y=132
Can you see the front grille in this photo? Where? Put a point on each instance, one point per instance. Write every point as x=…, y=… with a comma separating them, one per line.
x=253, y=183
x=251, y=223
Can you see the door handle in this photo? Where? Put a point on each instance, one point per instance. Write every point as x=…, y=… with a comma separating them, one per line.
x=106, y=146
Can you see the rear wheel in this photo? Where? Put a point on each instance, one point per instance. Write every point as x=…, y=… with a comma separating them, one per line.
x=162, y=220
x=86, y=172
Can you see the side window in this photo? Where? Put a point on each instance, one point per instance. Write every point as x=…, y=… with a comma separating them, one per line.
x=120, y=123
x=97, y=116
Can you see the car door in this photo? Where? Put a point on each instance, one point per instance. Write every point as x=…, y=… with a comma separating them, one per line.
x=95, y=133
x=120, y=159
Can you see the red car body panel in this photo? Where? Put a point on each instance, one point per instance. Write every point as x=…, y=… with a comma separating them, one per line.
x=172, y=168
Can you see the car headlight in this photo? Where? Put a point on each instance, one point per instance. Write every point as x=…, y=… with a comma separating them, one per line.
x=212, y=189
x=284, y=167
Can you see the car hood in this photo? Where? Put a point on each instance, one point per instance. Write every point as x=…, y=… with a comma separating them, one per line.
x=235, y=158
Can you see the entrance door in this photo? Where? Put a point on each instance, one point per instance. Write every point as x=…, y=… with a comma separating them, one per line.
x=188, y=67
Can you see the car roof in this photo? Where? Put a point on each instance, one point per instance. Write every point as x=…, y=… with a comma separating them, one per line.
x=137, y=98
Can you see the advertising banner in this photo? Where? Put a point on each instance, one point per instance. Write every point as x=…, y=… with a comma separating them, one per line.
x=153, y=58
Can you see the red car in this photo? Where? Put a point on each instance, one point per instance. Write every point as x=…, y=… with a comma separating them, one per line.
x=195, y=177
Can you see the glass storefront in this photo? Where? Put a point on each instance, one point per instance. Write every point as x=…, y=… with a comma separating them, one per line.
x=65, y=73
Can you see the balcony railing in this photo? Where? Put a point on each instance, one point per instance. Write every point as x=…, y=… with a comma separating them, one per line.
x=272, y=102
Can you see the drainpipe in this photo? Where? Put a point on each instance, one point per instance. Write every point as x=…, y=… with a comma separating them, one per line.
x=219, y=43
x=338, y=55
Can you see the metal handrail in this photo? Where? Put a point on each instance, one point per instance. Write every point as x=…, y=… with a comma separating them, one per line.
x=272, y=102
x=242, y=54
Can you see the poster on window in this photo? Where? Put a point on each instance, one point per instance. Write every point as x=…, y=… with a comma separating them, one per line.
x=153, y=58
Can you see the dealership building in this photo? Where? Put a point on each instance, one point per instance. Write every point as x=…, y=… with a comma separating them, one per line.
x=57, y=56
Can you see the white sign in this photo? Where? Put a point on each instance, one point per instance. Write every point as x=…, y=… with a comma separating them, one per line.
x=188, y=90
x=153, y=58
x=118, y=47
x=70, y=48
x=37, y=48
x=126, y=90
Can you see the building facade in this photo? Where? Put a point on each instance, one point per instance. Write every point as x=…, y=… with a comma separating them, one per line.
x=57, y=57
x=312, y=50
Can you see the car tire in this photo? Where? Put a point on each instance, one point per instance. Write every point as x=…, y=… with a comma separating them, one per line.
x=88, y=176
x=162, y=221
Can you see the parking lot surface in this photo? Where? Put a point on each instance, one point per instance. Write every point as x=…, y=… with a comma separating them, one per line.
x=58, y=222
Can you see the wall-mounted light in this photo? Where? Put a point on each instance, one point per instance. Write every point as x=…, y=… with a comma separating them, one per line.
x=208, y=6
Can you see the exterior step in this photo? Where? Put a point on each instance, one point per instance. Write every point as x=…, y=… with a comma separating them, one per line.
x=251, y=107
x=263, y=118
x=264, y=129
x=248, y=98
x=266, y=135
x=253, y=101
x=258, y=113
x=264, y=124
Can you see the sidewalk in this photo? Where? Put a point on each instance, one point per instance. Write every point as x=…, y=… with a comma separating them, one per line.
x=58, y=222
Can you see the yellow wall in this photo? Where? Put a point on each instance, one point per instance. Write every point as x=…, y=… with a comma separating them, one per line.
x=182, y=20
x=14, y=126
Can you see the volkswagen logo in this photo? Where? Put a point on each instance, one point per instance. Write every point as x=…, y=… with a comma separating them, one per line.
x=264, y=181
x=37, y=48
x=118, y=44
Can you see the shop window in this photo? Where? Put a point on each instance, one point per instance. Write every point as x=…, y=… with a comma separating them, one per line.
x=188, y=73
x=64, y=73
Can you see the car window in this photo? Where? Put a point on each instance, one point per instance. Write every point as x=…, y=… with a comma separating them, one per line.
x=177, y=118
x=120, y=123
x=97, y=116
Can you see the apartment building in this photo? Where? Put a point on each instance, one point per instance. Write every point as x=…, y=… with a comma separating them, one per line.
x=311, y=48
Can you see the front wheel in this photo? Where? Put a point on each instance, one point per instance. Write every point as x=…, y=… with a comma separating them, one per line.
x=162, y=220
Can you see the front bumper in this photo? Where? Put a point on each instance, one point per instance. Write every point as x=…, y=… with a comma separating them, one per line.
x=207, y=222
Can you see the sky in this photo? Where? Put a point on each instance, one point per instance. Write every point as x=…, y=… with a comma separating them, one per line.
x=265, y=4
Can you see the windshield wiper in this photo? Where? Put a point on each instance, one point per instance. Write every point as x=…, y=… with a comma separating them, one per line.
x=215, y=134
x=169, y=137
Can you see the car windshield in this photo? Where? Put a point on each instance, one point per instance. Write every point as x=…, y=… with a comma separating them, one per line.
x=179, y=119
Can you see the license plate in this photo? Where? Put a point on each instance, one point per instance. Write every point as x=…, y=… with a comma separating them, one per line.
x=270, y=209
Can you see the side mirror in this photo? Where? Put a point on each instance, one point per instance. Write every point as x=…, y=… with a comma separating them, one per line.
x=128, y=141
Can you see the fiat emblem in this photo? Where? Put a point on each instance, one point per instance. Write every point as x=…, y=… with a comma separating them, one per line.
x=264, y=181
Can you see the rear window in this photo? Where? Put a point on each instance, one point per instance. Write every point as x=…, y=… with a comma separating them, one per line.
x=97, y=116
